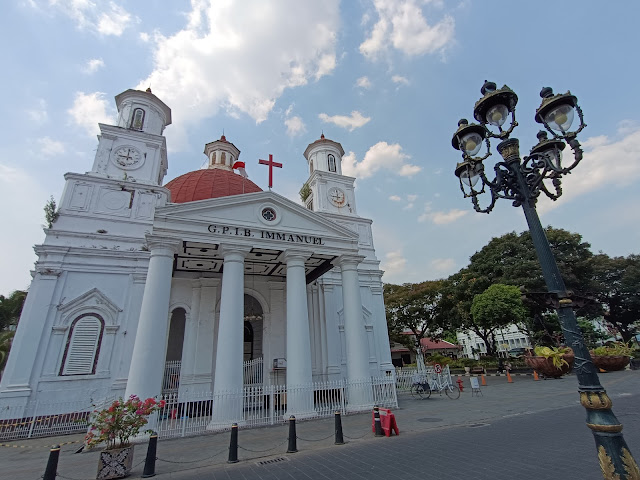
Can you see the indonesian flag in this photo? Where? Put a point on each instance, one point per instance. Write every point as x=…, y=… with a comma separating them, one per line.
x=240, y=167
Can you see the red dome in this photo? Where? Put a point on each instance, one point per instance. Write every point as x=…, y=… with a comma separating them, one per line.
x=209, y=183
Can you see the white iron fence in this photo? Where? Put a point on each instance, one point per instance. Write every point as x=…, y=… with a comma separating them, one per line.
x=185, y=415
x=192, y=414
x=252, y=371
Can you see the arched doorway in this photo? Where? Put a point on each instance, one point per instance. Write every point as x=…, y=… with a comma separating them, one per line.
x=252, y=328
x=173, y=357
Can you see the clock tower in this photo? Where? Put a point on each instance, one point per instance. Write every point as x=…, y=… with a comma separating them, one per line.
x=134, y=149
x=327, y=189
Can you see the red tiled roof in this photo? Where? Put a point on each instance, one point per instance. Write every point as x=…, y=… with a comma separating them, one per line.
x=209, y=183
x=428, y=344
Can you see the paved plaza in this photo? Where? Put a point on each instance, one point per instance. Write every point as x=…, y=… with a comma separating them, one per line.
x=526, y=430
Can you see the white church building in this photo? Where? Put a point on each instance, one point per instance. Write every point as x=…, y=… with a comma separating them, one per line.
x=145, y=288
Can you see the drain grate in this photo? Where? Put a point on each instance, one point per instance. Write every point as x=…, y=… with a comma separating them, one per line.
x=272, y=461
x=477, y=425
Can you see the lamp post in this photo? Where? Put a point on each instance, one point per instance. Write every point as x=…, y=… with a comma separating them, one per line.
x=522, y=181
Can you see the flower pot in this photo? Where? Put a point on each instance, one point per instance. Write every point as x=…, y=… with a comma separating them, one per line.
x=115, y=463
x=610, y=363
x=546, y=367
x=467, y=370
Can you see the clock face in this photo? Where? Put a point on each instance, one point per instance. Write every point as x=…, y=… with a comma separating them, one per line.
x=337, y=196
x=127, y=157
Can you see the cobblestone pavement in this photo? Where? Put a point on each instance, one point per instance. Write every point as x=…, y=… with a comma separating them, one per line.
x=523, y=430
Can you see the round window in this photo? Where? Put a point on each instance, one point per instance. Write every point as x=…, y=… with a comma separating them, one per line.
x=269, y=214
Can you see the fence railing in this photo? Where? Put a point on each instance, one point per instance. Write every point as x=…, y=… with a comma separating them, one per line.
x=252, y=371
x=192, y=414
x=171, y=377
x=407, y=376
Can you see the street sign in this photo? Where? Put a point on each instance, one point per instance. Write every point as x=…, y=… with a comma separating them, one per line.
x=437, y=368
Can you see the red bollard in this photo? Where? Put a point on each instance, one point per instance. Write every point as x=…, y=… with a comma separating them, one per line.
x=460, y=383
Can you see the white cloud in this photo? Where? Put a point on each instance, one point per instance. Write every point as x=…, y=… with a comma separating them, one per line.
x=412, y=198
x=93, y=65
x=364, y=82
x=90, y=109
x=356, y=120
x=50, y=147
x=443, y=265
x=400, y=80
x=295, y=126
x=395, y=198
x=441, y=218
x=39, y=114
x=144, y=37
x=242, y=63
x=394, y=263
x=607, y=163
x=379, y=156
x=115, y=21
x=107, y=18
x=401, y=23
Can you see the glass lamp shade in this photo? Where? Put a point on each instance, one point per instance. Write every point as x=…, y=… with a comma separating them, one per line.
x=497, y=115
x=471, y=143
x=554, y=156
x=469, y=176
x=560, y=118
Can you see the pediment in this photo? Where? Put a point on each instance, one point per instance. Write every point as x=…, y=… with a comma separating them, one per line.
x=246, y=211
x=94, y=299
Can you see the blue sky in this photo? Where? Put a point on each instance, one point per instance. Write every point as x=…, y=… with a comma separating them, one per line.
x=389, y=79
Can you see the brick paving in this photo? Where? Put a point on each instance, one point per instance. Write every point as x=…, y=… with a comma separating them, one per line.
x=524, y=430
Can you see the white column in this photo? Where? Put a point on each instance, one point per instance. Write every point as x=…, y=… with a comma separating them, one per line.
x=149, y=349
x=358, y=373
x=299, y=379
x=228, y=384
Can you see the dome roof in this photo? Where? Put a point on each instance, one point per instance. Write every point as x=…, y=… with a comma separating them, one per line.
x=209, y=183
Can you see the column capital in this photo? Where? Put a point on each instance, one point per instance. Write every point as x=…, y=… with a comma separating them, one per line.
x=348, y=261
x=164, y=246
x=292, y=254
x=234, y=253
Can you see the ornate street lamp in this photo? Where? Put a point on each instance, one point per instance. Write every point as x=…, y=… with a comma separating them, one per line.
x=522, y=181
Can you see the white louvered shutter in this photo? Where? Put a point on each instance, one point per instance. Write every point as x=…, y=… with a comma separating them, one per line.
x=82, y=347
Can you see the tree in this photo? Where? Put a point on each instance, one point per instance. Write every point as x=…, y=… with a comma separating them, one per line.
x=11, y=308
x=414, y=307
x=498, y=306
x=511, y=260
x=6, y=338
x=617, y=287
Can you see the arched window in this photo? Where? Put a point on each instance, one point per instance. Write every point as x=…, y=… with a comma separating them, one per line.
x=248, y=341
x=137, y=119
x=332, y=163
x=223, y=158
x=83, y=345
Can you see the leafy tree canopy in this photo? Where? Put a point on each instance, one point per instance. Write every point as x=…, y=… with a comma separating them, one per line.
x=414, y=307
x=11, y=308
x=616, y=286
x=498, y=306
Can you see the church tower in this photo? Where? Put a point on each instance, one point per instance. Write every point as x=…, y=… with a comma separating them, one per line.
x=327, y=189
x=134, y=149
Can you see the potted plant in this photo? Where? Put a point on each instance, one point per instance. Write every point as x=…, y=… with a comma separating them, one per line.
x=115, y=426
x=612, y=357
x=551, y=361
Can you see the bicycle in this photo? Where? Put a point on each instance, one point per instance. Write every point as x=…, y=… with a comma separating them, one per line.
x=423, y=389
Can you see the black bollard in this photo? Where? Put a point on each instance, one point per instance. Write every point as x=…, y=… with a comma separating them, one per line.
x=376, y=421
x=292, y=435
x=52, y=465
x=339, y=439
x=233, y=444
x=150, y=462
